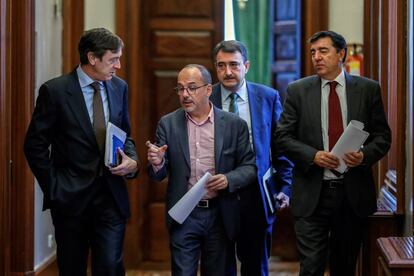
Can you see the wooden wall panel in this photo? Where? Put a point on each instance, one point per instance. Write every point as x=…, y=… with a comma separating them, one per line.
x=182, y=8
x=16, y=102
x=182, y=44
x=165, y=98
x=21, y=93
x=4, y=140
x=314, y=18
x=73, y=26
x=385, y=33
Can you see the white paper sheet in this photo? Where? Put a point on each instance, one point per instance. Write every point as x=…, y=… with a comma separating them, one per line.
x=351, y=140
x=266, y=177
x=180, y=211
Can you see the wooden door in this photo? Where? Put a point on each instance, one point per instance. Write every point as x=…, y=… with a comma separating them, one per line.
x=161, y=37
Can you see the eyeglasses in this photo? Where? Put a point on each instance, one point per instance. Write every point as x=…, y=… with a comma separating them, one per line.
x=222, y=66
x=190, y=90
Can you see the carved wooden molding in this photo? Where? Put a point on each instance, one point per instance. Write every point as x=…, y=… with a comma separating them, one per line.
x=4, y=140
x=22, y=37
x=385, y=24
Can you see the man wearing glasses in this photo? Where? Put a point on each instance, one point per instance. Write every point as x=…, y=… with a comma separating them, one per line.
x=260, y=107
x=191, y=141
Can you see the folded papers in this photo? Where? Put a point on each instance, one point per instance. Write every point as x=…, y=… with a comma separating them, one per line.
x=115, y=138
x=180, y=211
x=351, y=140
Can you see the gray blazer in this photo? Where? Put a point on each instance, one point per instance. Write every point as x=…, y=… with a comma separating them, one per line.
x=233, y=157
x=299, y=136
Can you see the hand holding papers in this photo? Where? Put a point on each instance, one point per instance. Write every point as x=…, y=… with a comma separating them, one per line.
x=351, y=140
x=180, y=211
x=115, y=138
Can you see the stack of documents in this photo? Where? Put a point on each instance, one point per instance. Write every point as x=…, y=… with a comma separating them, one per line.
x=115, y=138
x=351, y=140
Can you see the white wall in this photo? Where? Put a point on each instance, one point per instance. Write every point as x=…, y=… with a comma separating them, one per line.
x=346, y=18
x=100, y=13
x=48, y=54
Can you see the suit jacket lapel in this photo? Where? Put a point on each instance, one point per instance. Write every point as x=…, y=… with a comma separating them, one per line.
x=182, y=136
x=353, y=97
x=255, y=100
x=219, y=127
x=215, y=97
x=114, y=102
x=313, y=101
x=76, y=102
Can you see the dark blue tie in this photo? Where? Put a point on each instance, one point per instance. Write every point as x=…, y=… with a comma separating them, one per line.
x=233, y=108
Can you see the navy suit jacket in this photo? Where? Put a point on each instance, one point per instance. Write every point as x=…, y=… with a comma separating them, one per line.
x=299, y=136
x=67, y=170
x=233, y=158
x=265, y=109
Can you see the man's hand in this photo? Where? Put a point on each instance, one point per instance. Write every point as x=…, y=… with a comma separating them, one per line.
x=354, y=159
x=155, y=154
x=326, y=160
x=127, y=166
x=283, y=200
x=217, y=182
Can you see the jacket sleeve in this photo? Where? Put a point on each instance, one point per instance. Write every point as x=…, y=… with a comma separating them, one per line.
x=245, y=170
x=282, y=179
x=39, y=139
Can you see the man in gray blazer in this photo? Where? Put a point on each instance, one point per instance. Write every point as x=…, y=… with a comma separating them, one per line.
x=196, y=139
x=330, y=210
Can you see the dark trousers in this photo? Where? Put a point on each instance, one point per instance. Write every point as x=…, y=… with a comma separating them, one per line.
x=99, y=228
x=332, y=232
x=254, y=242
x=200, y=237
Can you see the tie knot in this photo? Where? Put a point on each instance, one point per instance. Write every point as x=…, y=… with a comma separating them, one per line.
x=95, y=85
x=333, y=84
x=233, y=96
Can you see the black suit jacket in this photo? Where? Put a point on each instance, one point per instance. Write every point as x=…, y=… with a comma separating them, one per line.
x=233, y=157
x=299, y=136
x=61, y=148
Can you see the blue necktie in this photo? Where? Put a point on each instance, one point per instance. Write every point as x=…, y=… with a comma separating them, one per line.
x=233, y=108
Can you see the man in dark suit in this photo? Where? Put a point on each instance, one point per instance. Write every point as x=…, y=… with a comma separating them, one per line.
x=330, y=209
x=65, y=146
x=196, y=139
x=260, y=107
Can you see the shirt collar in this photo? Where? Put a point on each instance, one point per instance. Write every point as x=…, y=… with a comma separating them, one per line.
x=210, y=117
x=340, y=79
x=84, y=79
x=242, y=92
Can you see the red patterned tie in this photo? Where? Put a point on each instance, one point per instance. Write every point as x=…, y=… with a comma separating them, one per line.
x=335, y=127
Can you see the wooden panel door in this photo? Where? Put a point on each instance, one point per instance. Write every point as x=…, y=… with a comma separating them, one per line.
x=161, y=36
x=287, y=27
